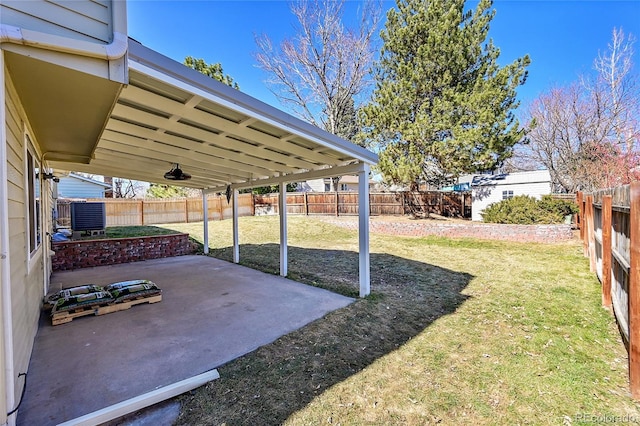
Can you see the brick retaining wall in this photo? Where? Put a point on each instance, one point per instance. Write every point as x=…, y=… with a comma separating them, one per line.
x=489, y=231
x=90, y=253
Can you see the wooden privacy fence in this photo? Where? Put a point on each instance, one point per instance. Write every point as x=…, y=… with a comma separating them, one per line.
x=134, y=212
x=610, y=230
x=181, y=210
x=451, y=204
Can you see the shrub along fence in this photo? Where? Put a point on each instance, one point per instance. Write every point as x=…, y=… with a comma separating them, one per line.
x=610, y=230
x=132, y=212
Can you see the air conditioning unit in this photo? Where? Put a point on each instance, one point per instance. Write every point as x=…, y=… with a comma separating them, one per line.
x=89, y=217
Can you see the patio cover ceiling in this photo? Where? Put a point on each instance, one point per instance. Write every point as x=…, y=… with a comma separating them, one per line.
x=171, y=114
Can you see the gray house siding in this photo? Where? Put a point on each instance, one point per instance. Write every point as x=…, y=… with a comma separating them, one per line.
x=77, y=19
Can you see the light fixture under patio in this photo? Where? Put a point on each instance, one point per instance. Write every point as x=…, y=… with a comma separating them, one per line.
x=176, y=173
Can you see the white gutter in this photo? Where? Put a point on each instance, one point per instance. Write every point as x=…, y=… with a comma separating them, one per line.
x=6, y=339
x=115, y=50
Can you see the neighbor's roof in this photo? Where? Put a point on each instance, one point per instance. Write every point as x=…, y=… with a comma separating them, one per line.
x=86, y=179
x=537, y=176
x=352, y=179
x=170, y=114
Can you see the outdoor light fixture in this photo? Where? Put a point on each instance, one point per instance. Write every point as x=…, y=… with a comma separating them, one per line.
x=47, y=176
x=176, y=173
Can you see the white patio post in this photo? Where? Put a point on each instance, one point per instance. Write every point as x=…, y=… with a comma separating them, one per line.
x=282, y=207
x=205, y=223
x=363, y=230
x=236, y=243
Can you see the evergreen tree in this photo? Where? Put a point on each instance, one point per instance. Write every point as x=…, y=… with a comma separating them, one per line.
x=271, y=189
x=211, y=70
x=167, y=191
x=442, y=105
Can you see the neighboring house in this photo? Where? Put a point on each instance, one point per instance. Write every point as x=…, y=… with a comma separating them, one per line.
x=77, y=94
x=458, y=187
x=346, y=183
x=488, y=189
x=76, y=186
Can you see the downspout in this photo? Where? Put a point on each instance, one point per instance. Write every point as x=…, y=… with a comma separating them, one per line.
x=6, y=340
x=47, y=186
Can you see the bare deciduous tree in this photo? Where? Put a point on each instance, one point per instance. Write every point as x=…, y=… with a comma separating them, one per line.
x=322, y=70
x=559, y=132
x=587, y=134
x=127, y=188
x=618, y=87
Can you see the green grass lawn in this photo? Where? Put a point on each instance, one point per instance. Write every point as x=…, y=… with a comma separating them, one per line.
x=129, y=232
x=455, y=332
x=135, y=231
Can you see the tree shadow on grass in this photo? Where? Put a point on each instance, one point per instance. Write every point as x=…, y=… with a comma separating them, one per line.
x=278, y=379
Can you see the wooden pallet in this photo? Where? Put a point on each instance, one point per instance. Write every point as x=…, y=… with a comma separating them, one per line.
x=68, y=316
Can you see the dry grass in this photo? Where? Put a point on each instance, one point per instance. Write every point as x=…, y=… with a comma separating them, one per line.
x=455, y=331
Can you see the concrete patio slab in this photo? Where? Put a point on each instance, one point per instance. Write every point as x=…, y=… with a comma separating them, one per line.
x=211, y=312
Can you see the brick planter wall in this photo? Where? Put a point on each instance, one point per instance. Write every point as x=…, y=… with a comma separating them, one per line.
x=90, y=253
x=488, y=231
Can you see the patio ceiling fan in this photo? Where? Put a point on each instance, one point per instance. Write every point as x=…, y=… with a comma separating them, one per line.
x=176, y=173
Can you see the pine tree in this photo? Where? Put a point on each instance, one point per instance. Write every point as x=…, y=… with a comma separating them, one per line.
x=442, y=105
x=214, y=71
x=157, y=190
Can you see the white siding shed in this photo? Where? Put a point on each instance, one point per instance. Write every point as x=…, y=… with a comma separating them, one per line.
x=489, y=189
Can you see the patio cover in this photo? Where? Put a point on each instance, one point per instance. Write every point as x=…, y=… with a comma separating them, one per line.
x=170, y=114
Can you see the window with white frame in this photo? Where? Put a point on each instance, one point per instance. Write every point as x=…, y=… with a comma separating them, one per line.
x=33, y=196
x=507, y=194
x=344, y=187
x=327, y=187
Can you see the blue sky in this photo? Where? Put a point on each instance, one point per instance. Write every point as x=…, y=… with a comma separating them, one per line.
x=561, y=37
